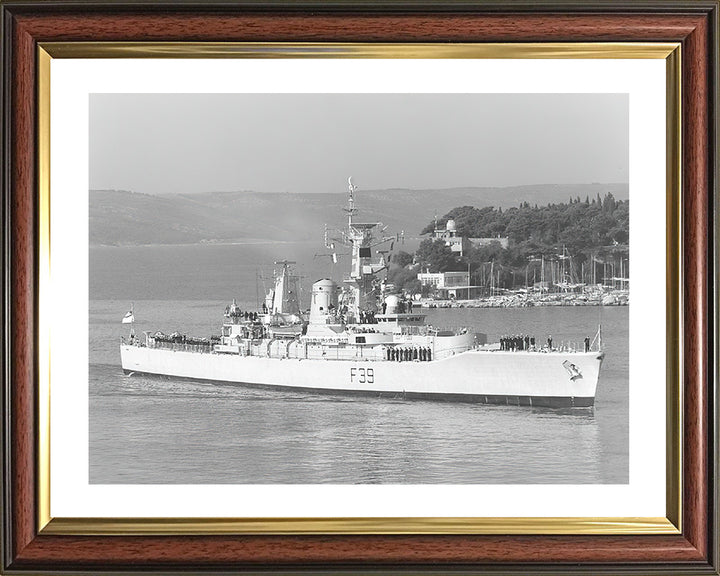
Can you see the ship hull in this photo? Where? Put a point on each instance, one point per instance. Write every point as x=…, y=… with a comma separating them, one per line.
x=494, y=377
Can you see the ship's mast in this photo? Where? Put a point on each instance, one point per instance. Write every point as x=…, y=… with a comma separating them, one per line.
x=362, y=271
x=360, y=237
x=351, y=202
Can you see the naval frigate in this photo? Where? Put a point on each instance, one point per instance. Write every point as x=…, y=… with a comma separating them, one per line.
x=359, y=338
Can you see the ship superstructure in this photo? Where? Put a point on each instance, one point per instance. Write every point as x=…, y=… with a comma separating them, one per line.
x=359, y=338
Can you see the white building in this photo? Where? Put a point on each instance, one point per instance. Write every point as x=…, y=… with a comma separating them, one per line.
x=458, y=244
x=450, y=237
x=447, y=283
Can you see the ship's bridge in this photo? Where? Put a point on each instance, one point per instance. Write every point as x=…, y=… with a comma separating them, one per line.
x=396, y=321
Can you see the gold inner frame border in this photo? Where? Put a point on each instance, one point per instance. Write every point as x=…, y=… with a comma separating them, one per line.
x=670, y=524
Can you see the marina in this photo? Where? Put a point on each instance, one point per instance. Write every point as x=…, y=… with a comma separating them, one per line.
x=523, y=299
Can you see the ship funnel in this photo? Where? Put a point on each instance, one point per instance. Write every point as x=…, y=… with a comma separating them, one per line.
x=323, y=307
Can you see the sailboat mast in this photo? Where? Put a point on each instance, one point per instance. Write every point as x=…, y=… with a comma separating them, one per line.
x=492, y=277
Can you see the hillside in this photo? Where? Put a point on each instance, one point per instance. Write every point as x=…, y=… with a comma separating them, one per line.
x=128, y=218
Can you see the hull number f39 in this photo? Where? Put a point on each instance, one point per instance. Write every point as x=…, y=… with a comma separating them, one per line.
x=362, y=375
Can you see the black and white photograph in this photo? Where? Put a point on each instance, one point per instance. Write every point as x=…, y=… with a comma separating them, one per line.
x=359, y=288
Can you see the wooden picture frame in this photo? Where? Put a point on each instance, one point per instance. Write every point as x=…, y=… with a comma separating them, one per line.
x=31, y=544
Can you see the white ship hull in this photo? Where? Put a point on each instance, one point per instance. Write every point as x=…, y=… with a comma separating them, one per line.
x=526, y=378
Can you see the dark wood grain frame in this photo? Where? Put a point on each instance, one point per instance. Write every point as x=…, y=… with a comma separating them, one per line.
x=26, y=24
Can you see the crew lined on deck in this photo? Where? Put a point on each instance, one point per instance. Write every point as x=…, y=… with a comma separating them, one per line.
x=520, y=342
x=517, y=342
x=234, y=311
x=367, y=317
x=422, y=353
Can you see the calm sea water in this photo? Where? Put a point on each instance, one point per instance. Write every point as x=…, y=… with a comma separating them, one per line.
x=150, y=430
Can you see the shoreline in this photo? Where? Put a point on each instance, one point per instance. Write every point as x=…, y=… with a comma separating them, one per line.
x=620, y=298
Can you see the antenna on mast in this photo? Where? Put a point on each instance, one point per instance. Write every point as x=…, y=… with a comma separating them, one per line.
x=351, y=200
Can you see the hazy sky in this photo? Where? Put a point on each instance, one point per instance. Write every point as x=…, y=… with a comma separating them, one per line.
x=171, y=143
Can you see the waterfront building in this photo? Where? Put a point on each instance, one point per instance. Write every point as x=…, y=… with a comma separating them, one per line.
x=450, y=237
x=449, y=284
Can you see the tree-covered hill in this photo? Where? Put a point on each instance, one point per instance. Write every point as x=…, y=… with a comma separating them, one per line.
x=579, y=225
x=584, y=233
